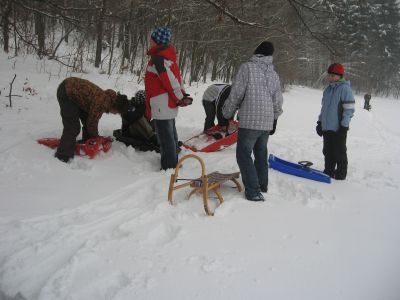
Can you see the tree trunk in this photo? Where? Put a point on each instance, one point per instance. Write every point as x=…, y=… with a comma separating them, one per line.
x=126, y=38
x=6, y=24
x=40, y=31
x=99, y=32
x=111, y=48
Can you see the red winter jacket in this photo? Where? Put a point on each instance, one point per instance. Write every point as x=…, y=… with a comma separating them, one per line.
x=162, y=83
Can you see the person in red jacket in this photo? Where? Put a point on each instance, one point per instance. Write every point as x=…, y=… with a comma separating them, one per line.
x=164, y=93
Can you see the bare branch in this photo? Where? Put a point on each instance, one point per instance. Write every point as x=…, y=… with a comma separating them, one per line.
x=312, y=33
x=235, y=18
x=69, y=19
x=10, y=94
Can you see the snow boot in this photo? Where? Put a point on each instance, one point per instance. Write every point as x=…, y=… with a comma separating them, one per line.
x=264, y=188
x=62, y=157
x=258, y=197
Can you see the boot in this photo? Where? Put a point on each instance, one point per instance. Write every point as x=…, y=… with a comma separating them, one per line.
x=341, y=171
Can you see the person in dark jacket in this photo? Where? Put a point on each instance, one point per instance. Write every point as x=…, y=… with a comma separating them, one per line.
x=136, y=130
x=82, y=101
x=164, y=94
x=367, y=99
x=333, y=122
x=256, y=93
x=213, y=101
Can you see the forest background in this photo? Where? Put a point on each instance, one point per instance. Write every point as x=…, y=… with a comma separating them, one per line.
x=213, y=37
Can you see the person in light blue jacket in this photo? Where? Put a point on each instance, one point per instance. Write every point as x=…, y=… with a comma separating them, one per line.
x=334, y=120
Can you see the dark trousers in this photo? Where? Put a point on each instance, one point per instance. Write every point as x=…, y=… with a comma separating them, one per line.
x=366, y=104
x=254, y=173
x=168, y=140
x=209, y=108
x=70, y=115
x=211, y=111
x=335, y=152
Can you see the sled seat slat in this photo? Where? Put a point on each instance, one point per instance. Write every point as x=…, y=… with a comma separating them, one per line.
x=204, y=184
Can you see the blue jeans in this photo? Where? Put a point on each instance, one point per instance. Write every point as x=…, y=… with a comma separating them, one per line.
x=254, y=174
x=168, y=140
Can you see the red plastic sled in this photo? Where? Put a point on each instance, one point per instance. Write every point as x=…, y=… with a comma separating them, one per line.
x=91, y=148
x=206, y=142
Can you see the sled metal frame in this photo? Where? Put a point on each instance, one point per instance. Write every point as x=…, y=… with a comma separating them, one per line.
x=204, y=184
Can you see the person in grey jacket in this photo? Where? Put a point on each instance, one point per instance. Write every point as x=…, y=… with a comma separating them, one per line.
x=334, y=120
x=256, y=93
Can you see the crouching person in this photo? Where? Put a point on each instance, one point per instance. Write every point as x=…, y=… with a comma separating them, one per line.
x=213, y=101
x=136, y=130
x=81, y=101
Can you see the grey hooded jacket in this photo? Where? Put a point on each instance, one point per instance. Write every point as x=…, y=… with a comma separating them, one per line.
x=256, y=92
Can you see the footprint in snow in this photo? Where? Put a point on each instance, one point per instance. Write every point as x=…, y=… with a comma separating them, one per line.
x=163, y=234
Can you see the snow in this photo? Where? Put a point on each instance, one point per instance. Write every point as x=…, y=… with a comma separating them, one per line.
x=103, y=228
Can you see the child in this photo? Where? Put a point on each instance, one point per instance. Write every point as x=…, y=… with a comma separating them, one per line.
x=164, y=94
x=82, y=100
x=334, y=120
x=213, y=100
x=136, y=130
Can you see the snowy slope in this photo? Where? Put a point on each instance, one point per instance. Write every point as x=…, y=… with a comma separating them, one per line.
x=103, y=229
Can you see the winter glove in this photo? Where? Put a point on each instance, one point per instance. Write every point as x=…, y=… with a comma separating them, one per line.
x=318, y=128
x=185, y=101
x=273, y=127
x=343, y=129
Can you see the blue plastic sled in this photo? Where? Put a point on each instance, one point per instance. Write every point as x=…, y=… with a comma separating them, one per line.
x=301, y=170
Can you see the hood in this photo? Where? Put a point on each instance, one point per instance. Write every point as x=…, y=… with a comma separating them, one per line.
x=165, y=51
x=339, y=82
x=264, y=62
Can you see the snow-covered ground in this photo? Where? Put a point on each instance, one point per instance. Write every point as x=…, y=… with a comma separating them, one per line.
x=103, y=229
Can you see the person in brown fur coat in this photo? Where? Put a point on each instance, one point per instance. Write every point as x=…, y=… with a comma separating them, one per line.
x=82, y=100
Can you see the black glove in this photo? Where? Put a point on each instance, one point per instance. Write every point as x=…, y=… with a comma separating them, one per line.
x=343, y=129
x=185, y=101
x=318, y=128
x=273, y=128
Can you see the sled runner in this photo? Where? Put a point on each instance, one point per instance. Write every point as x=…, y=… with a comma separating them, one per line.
x=204, y=184
x=302, y=169
x=214, y=139
x=90, y=148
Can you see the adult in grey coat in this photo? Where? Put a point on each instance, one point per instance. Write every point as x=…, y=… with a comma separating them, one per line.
x=256, y=93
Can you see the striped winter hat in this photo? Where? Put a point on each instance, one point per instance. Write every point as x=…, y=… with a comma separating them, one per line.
x=162, y=35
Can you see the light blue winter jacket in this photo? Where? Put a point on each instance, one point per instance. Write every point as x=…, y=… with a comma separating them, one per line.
x=337, y=105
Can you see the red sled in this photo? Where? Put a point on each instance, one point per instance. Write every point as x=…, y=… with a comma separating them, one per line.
x=214, y=139
x=91, y=148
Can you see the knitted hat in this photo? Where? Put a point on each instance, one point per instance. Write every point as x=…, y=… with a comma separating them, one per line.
x=140, y=97
x=336, y=69
x=162, y=35
x=265, y=48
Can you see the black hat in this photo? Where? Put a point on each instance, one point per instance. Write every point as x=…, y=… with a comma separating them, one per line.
x=265, y=48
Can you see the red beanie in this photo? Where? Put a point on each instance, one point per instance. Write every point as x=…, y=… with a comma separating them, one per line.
x=337, y=69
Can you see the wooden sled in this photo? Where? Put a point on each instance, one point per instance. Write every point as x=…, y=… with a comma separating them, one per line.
x=204, y=184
